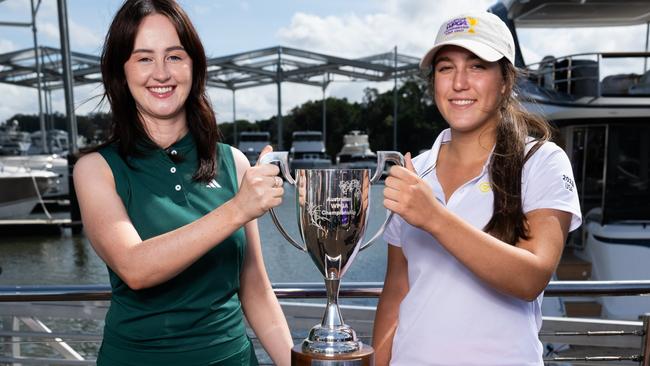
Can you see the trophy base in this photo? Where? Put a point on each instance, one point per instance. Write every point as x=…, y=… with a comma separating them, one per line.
x=365, y=356
x=331, y=340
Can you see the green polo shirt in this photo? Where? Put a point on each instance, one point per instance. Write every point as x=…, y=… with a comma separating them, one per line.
x=194, y=318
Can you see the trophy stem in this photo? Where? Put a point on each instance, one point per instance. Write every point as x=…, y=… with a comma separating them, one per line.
x=332, y=317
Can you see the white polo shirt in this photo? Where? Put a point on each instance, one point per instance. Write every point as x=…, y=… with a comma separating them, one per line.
x=449, y=316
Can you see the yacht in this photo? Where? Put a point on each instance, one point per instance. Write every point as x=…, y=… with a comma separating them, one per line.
x=252, y=143
x=21, y=189
x=356, y=153
x=603, y=121
x=13, y=141
x=47, y=162
x=308, y=151
x=57, y=142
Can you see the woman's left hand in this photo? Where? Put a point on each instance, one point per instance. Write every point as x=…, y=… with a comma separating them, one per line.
x=409, y=196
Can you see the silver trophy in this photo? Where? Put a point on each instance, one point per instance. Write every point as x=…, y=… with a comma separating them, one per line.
x=332, y=208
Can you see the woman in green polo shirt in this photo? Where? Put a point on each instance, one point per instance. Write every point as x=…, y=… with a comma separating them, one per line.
x=171, y=210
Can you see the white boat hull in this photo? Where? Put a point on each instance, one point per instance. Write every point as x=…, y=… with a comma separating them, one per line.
x=17, y=209
x=53, y=163
x=21, y=189
x=619, y=252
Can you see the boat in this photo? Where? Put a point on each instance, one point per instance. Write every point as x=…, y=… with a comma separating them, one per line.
x=24, y=150
x=252, y=143
x=21, y=189
x=308, y=151
x=13, y=141
x=603, y=125
x=356, y=153
x=57, y=142
x=47, y=162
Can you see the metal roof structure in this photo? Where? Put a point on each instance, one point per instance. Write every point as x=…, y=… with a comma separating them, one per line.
x=285, y=64
x=267, y=66
x=19, y=68
x=233, y=72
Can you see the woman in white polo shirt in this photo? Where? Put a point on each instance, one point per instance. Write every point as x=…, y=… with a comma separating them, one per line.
x=483, y=215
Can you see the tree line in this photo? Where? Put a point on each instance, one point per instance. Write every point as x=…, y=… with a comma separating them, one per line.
x=419, y=121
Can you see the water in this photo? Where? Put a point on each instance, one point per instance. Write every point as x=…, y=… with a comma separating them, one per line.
x=70, y=260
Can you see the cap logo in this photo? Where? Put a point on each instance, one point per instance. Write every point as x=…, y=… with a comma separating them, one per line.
x=465, y=24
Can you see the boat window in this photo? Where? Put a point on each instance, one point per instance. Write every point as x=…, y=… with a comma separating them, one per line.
x=311, y=137
x=588, y=157
x=254, y=137
x=628, y=166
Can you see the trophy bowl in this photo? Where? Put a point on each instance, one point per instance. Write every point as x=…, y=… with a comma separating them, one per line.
x=332, y=208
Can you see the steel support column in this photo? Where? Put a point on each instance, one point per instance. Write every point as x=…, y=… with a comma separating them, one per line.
x=67, y=75
x=325, y=83
x=279, y=83
x=37, y=60
x=75, y=213
x=234, y=118
x=647, y=39
x=395, y=102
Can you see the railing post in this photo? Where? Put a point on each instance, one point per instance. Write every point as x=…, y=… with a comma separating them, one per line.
x=569, y=74
x=598, y=86
x=15, y=341
x=645, y=344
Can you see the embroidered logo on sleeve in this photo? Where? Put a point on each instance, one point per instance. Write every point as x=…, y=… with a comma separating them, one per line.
x=484, y=187
x=569, y=185
x=213, y=184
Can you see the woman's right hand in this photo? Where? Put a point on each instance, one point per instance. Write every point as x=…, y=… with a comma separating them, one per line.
x=260, y=189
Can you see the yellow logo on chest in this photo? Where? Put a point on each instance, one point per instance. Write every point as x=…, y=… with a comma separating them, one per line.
x=484, y=187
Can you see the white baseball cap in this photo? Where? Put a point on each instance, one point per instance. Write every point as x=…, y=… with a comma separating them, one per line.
x=481, y=33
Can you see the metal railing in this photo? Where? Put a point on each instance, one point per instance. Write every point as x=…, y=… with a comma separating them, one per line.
x=579, y=331
x=582, y=75
x=310, y=290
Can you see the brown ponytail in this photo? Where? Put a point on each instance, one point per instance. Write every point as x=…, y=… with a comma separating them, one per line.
x=508, y=222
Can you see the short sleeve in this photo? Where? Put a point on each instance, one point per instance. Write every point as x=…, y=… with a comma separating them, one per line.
x=393, y=231
x=548, y=183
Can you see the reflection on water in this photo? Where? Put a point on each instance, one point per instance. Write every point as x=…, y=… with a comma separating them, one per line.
x=69, y=259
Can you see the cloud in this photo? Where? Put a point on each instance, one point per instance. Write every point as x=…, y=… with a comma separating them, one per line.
x=18, y=5
x=80, y=36
x=49, y=30
x=24, y=100
x=17, y=100
x=6, y=46
x=410, y=25
x=537, y=43
x=260, y=103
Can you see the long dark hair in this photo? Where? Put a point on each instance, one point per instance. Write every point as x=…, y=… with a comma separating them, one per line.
x=127, y=128
x=508, y=222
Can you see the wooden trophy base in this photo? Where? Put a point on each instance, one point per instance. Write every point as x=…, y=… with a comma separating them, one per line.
x=363, y=357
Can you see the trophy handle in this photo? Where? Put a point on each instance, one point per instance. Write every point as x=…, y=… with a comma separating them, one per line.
x=383, y=157
x=282, y=159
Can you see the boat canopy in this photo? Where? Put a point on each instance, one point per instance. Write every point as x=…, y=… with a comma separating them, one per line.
x=577, y=13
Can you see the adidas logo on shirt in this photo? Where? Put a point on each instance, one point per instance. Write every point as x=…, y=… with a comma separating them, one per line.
x=213, y=184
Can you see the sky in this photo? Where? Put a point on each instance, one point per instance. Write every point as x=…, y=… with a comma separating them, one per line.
x=345, y=28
